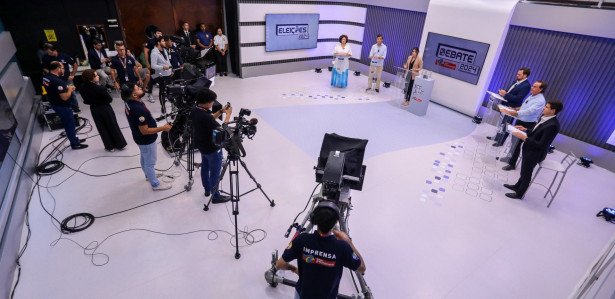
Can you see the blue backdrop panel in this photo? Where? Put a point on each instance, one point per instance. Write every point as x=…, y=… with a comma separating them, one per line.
x=579, y=70
x=401, y=29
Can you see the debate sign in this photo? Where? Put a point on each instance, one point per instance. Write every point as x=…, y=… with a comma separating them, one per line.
x=291, y=31
x=458, y=58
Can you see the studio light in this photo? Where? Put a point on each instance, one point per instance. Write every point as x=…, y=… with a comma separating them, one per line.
x=318, y=70
x=357, y=73
x=585, y=162
x=387, y=84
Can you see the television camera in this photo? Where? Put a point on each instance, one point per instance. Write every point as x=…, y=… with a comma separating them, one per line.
x=339, y=169
x=230, y=135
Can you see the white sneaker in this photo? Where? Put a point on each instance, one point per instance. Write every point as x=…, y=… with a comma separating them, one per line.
x=162, y=186
x=158, y=175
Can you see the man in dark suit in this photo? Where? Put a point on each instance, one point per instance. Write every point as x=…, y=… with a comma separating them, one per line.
x=535, y=146
x=186, y=35
x=514, y=96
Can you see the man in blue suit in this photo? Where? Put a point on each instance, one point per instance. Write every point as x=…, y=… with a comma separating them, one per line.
x=100, y=62
x=514, y=96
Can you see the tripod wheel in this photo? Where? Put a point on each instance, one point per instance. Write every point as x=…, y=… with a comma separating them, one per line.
x=205, y=208
x=188, y=187
x=237, y=255
x=272, y=204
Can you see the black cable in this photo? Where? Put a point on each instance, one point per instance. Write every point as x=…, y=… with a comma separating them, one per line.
x=49, y=167
x=307, y=203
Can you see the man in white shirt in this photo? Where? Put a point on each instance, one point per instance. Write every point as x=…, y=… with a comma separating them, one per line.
x=376, y=56
x=221, y=45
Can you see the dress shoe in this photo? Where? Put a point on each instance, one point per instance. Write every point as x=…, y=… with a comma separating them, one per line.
x=514, y=195
x=79, y=146
x=496, y=144
x=511, y=187
x=505, y=160
x=220, y=199
x=377, y=90
x=508, y=167
x=81, y=140
x=207, y=193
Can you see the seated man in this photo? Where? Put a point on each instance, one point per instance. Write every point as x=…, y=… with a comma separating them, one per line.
x=535, y=146
x=100, y=62
x=70, y=70
x=321, y=256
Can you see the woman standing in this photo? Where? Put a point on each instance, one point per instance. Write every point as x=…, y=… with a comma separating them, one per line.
x=104, y=118
x=221, y=44
x=414, y=64
x=341, y=53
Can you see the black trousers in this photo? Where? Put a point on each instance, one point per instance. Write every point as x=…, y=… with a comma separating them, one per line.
x=517, y=149
x=220, y=63
x=409, y=90
x=527, y=168
x=106, y=124
x=163, y=81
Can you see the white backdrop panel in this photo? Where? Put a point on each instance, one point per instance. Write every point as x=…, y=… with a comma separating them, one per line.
x=256, y=34
x=258, y=54
x=478, y=20
x=251, y=12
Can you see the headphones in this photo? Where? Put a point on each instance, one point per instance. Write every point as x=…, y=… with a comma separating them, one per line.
x=325, y=204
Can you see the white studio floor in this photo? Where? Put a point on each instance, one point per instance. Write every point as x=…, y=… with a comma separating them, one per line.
x=467, y=240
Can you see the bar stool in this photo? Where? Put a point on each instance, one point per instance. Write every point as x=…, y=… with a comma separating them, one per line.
x=558, y=167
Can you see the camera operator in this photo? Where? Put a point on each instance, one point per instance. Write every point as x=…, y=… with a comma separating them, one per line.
x=321, y=256
x=204, y=122
x=144, y=132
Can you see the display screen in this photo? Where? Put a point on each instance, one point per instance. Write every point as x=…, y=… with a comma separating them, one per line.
x=291, y=31
x=458, y=58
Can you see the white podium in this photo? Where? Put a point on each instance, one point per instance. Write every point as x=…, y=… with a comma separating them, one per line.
x=421, y=93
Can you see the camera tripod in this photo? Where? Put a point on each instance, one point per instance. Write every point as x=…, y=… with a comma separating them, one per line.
x=233, y=168
x=186, y=146
x=344, y=204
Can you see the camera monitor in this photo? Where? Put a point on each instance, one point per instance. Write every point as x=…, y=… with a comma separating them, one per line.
x=354, y=150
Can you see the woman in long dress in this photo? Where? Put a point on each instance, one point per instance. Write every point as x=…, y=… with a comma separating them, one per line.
x=342, y=53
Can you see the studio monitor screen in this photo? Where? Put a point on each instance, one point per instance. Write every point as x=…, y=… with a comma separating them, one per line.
x=455, y=57
x=291, y=31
